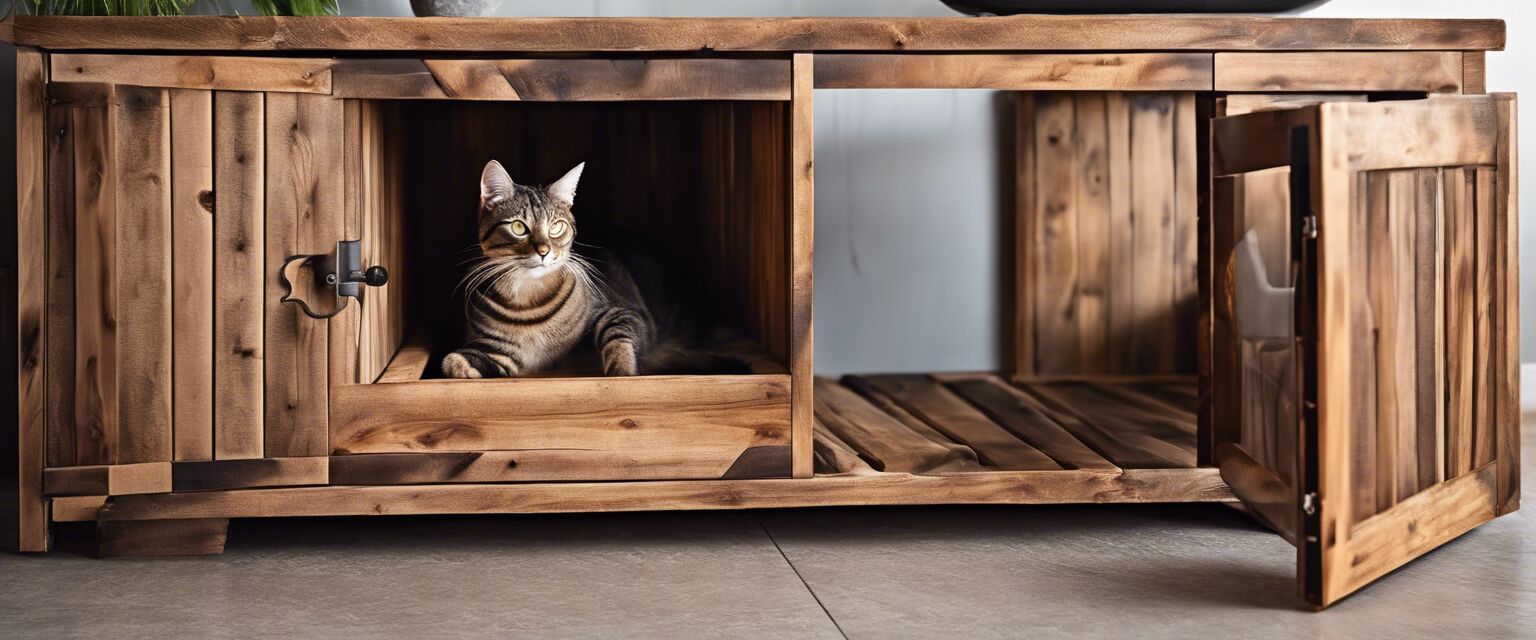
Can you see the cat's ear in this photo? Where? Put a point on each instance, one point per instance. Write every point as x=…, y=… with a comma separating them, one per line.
x=564, y=189
x=495, y=185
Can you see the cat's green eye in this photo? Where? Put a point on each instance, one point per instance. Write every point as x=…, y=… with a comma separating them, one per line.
x=558, y=229
x=519, y=229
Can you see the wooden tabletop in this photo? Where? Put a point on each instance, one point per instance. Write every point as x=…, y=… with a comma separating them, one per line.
x=544, y=35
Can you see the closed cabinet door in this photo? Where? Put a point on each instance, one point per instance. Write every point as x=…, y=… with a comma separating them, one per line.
x=1365, y=307
x=176, y=187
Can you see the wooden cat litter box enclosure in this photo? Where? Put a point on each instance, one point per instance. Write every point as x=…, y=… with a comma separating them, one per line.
x=1262, y=261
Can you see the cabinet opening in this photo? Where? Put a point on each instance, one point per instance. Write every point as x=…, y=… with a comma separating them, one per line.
x=701, y=185
x=1066, y=267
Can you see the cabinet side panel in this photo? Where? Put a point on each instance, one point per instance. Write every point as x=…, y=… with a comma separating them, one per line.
x=304, y=136
x=32, y=512
x=238, y=230
x=192, y=272
x=143, y=163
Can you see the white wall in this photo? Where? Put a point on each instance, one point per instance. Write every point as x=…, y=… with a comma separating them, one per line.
x=908, y=197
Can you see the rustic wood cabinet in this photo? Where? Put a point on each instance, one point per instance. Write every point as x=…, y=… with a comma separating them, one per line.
x=1262, y=261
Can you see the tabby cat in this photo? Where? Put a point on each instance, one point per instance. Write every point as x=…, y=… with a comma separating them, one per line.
x=535, y=297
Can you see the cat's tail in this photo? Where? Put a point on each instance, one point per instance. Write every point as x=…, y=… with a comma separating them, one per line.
x=723, y=354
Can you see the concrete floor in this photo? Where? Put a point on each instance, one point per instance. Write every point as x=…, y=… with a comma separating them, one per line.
x=1175, y=571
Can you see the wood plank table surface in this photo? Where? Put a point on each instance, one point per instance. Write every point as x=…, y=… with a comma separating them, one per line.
x=953, y=34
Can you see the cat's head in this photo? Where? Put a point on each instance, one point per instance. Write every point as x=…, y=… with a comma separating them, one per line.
x=530, y=226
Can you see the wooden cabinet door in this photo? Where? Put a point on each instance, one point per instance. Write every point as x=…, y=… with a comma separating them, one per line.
x=176, y=187
x=1367, y=403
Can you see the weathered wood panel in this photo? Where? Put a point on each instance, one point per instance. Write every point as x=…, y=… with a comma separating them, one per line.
x=1107, y=235
x=192, y=271
x=59, y=376
x=95, y=379
x=1429, y=71
x=215, y=475
x=947, y=413
x=143, y=166
x=546, y=465
x=108, y=479
x=1023, y=72
x=181, y=537
x=1016, y=33
x=304, y=201
x=564, y=80
x=709, y=416
x=31, y=283
x=239, y=231
x=226, y=73
x=887, y=442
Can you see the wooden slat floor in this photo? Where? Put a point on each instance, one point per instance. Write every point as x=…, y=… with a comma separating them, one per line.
x=951, y=423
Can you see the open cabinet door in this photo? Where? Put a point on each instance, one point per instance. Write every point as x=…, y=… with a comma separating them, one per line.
x=1373, y=410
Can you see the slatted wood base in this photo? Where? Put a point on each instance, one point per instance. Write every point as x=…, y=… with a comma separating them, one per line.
x=982, y=425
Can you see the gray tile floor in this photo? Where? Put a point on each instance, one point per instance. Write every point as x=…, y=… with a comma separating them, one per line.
x=965, y=572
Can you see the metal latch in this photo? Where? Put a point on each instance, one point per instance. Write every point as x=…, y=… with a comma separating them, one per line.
x=1309, y=503
x=1309, y=227
x=320, y=284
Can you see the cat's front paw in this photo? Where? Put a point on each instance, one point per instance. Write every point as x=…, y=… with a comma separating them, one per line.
x=455, y=365
x=620, y=359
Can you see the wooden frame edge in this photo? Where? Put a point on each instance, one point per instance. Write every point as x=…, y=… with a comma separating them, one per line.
x=31, y=278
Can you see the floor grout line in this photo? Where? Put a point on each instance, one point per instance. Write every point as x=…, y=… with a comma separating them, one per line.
x=795, y=569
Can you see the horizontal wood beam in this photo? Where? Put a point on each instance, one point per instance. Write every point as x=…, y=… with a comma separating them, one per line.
x=107, y=479
x=213, y=475
x=1013, y=33
x=1428, y=71
x=1021, y=487
x=1044, y=72
x=228, y=73
x=564, y=80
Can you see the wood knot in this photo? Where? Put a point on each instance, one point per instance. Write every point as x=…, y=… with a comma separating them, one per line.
x=628, y=423
x=205, y=200
x=511, y=464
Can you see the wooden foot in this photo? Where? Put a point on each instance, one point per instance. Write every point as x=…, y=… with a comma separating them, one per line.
x=195, y=537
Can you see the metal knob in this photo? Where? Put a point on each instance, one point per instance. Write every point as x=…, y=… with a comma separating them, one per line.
x=376, y=276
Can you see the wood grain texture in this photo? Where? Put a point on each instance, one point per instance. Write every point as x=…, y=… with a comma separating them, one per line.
x=713, y=418
x=949, y=414
x=802, y=241
x=888, y=443
x=95, y=379
x=1428, y=71
x=1002, y=487
x=1106, y=223
x=410, y=362
x=564, y=80
x=143, y=183
x=226, y=73
x=1474, y=72
x=215, y=475
x=239, y=231
x=1506, y=218
x=543, y=465
x=343, y=330
x=1016, y=33
x=59, y=376
x=304, y=201
x=192, y=271
x=76, y=508
x=108, y=480
x=1023, y=416
x=31, y=285
x=184, y=537
x=1020, y=72
x=1129, y=433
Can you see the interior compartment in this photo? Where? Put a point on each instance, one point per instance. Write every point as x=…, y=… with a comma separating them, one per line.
x=1100, y=295
x=702, y=181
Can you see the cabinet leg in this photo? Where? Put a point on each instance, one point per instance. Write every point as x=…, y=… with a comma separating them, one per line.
x=119, y=538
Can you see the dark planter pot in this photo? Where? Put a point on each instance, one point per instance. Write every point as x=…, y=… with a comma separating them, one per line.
x=1010, y=7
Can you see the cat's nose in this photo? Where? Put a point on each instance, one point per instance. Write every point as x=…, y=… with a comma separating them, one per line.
x=543, y=249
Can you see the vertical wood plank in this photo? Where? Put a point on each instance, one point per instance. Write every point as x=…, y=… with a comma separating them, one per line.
x=1474, y=72
x=1186, y=234
x=343, y=330
x=1024, y=206
x=238, y=228
x=1122, y=252
x=95, y=379
x=1429, y=330
x=1152, y=223
x=143, y=152
x=1485, y=337
x=304, y=201
x=60, y=361
x=1507, y=256
x=1460, y=231
x=192, y=272
x=1393, y=279
x=1090, y=142
x=1373, y=246
x=802, y=143
x=1058, y=346
x=31, y=279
